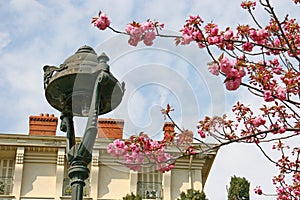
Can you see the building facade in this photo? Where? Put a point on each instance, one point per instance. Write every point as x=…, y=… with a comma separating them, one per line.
x=34, y=166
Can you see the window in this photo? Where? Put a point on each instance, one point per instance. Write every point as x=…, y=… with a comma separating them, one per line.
x=149, y=184
x=6, y=176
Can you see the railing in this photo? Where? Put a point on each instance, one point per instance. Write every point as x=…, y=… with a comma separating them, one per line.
x=67, y=189
x=150, y=190
x=6, y=185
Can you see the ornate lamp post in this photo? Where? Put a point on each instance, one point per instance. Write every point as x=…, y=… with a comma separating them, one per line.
x=82, y=86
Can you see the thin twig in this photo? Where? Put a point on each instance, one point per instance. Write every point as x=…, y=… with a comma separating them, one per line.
x=281, y=30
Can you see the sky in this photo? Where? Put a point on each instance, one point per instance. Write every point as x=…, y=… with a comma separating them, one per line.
x=38, y=33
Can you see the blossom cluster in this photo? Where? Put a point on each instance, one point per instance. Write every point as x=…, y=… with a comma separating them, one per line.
x=233, y=71
x=258, y=190
x=138, y=148
x=248, y=4
x=190, y=32
x=273, y=80
x=288, y=164
x=102, y=21
x=142, y=32
x=245, y=40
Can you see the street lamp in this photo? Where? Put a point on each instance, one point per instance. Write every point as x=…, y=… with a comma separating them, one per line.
x=82, y=86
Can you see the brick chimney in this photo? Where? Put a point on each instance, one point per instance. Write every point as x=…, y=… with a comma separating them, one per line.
x=44, y=125
x=110, y=128
x=168, y=128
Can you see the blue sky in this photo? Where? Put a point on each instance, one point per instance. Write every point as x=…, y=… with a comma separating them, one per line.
x=36, y=33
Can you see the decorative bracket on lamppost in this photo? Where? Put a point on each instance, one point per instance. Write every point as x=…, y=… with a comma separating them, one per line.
x=82, y=86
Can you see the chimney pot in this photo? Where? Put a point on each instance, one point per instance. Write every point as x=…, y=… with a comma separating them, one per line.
x=43, y=125
x=168, y=128
x=110, y=128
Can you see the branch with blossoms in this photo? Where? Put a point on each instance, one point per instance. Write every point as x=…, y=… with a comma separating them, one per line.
x=141, y=150
x=265, y=59
x=137, y=32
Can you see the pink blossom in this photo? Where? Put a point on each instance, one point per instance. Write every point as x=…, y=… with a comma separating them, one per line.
x=102, y=22
x=164, y=167
x=133, y=40
x=195, y=20
x=277, y=69
x=134, y=160
x=262, y=33
x=276, y=42
x=129, y=28
x=258, y=36
x=163, y=161
x=161, y=156
x=248, y=46
x=197, y=35
x=201, y=133
x=233, y=76
x=186, y=39
x=258, y=121
x=117, y=148
x=225, y=65
x=155, y=144
x=233, y=84
x=214, y=69
x=228, y=34
x=191, y=150
x=242, y=72
x=190, y=34
x=149, y=37
x=201, y=45
x=268, y=96
x=213, y=40
x=139, y=32
x=229, y=46
x=282, y=130
x=214, y=31
x=281, y=93
x=134, y=148
x=134, y=31
x=280, y=191
x=258, y=190
x=246, y=4
x=148, y=26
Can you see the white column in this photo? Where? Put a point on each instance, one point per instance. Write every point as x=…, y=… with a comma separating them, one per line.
x=166, y=182
x=60, y=168
x=191, y=180
x=197, y=179
x=18, y=175
x=94, y=175
x=133, y=181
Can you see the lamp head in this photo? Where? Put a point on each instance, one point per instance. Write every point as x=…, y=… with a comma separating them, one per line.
x=69, y=87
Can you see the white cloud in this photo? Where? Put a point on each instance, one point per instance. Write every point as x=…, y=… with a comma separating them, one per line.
x=4, y=40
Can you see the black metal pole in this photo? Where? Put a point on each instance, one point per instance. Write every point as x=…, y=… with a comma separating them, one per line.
x=80, y=155
x=78, y=172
